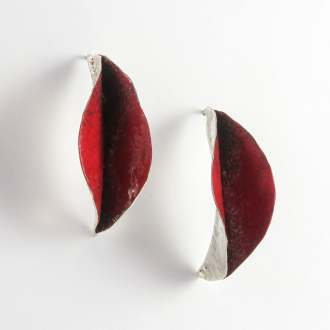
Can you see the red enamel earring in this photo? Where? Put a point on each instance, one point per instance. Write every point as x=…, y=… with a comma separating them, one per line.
x=244, y=194
x=114, y=142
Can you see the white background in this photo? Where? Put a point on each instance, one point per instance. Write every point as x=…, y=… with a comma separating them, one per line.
x=264, y=63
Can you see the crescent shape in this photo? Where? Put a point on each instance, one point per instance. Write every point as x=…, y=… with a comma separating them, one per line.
x=244, y=193
x=114, y=142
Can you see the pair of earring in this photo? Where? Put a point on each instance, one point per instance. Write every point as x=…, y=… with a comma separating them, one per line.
x=115, y=154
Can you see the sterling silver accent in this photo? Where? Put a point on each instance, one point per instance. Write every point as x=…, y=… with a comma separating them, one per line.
x=215, y=266
x=95, y=66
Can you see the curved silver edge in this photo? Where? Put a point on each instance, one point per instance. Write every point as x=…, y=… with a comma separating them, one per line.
x=95, y=66
x=215, y=266
x=211, y=128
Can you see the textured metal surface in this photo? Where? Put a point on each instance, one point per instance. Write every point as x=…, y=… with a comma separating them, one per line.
x=95, y=66
x=114, y=144
x=214, y=267
x=211, y=128
x=215, y=264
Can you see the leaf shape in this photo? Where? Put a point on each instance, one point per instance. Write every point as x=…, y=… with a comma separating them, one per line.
x=244, y=193
x=114, y=142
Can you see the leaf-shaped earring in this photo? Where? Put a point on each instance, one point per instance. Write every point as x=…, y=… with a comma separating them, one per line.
x=244, y=194
x=114, y=142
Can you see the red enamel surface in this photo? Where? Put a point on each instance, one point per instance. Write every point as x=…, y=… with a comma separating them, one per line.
x=216, y=180
x=91, y=144
x=248, y=189
x=126, y=145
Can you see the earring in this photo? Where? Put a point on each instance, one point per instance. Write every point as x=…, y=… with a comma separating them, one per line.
x=244, y=194
x=114, y=142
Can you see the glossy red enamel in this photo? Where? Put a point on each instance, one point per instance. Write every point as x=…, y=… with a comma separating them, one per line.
x=125, y=146
x=216, y=180
x=246, y=188
x=91, y=144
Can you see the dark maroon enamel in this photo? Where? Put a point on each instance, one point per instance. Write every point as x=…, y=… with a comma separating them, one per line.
x=127, y=145
x=248, y=190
